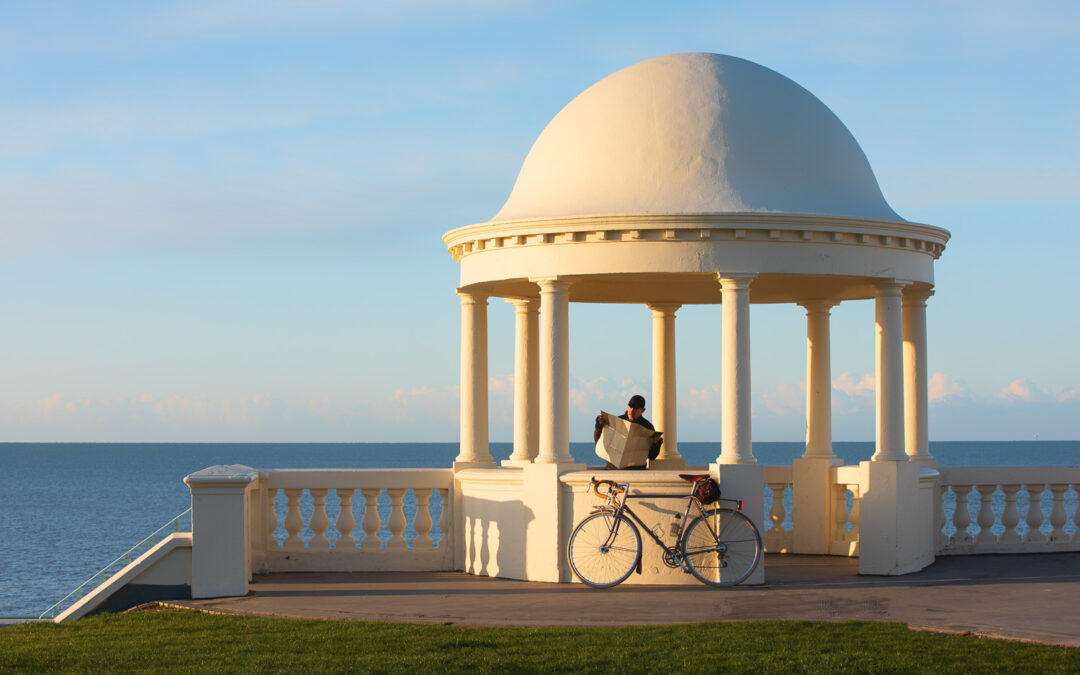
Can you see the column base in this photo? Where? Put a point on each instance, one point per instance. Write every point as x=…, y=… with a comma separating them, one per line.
x=486, y=464
x=515, y=463
x=667, y=463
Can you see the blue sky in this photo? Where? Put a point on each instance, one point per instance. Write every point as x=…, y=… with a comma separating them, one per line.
x=222, y=220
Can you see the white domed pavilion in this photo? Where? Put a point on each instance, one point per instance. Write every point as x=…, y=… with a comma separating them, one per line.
x=695, y=179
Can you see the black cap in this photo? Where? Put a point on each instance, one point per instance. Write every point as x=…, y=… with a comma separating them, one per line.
x=636, y=401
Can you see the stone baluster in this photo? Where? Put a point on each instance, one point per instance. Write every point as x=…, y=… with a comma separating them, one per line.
x=444, y=517
x=840, y=512
x=853, y=516
x=371, y=521
x=271, y=518
x=1034, y=515
x=1058, y=517
x=774, y=538
x=1010, y=517
x=320, y=523
x=961, y=516
x=422, y=521
x=396, y=523
x=293, y=522
x=345, y=522
x=939, y=520
x=1076, y=514
x=985, y=517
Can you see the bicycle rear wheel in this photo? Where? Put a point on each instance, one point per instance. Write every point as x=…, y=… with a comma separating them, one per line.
x=722, y=548
x=604, y=549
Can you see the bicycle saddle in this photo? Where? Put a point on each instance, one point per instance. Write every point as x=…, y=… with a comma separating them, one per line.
x=693, y=477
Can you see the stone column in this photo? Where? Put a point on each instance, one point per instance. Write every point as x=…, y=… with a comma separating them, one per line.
x=474, y=382
x=664, y=408
x=526, y=386
x=818, y=380
x=888, y=372
x=554, y=370
x=735, y=447
x=916, y=435
x=812, y=473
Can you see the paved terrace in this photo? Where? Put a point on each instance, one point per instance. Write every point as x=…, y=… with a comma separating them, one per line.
x=1025, y=597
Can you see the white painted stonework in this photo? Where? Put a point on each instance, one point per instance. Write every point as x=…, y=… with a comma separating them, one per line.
x=698, y=179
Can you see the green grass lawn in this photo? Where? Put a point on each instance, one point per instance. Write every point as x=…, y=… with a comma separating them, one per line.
x=182, y=641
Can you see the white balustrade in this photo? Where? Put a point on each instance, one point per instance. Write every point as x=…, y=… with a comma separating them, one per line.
x=422, y=521
x=1004, y=513
x=320, y=523
x=844, y=521
x=404, y=549
x=371, y=522
x=345, y=522
x=985, y=519
x=1010, y=517
x=778, y=539
x=1057, y=513
x=293, y=522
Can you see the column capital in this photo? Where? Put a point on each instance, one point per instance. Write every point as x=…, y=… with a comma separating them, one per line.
x=552, y=283
x=523, y=304
x=917, y=295
x=471, y=297
x=818, y=306
x=735, y=280
x=663, y=309
x=890, y=287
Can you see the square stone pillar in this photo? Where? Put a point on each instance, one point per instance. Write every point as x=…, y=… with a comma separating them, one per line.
x=545, y=540
x=894, y=525
x=220, y=536
x=745, y=482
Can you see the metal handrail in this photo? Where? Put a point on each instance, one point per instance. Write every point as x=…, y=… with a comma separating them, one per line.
x=102, y=575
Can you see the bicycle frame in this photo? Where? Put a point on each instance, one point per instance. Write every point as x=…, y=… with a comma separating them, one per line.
x=618, y=508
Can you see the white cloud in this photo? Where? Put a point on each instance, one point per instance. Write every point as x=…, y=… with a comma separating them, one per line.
x=786, y=399
x=860, y=388
x=941, y=387
x=702, y=403
x=1021, y=389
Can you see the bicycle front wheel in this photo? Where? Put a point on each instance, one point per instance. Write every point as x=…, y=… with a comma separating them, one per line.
x=604, y=549
x=722, y=548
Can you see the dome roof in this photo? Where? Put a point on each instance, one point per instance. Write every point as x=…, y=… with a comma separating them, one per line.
x=695, y=133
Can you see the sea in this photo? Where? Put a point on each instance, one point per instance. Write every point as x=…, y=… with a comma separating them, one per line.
x=69, y=509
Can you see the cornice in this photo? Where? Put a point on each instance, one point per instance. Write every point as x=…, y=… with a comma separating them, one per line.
x=697, y=227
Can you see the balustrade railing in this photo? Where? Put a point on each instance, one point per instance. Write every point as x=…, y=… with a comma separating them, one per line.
x=306, y=520
x=778, y=480
x=846, y=494
x=1017, y=510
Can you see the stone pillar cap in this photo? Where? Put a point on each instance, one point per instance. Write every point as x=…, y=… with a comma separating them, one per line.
x=222, y=475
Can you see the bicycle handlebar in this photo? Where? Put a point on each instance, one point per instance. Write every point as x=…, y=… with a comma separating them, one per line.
x=613, y=487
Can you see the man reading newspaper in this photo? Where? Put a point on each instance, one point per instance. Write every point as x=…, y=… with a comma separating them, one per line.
x=627, y=444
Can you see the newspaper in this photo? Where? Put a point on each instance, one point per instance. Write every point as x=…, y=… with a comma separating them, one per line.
x=623, y=443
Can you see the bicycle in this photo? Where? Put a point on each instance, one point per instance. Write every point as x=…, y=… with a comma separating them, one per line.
x=720, y=546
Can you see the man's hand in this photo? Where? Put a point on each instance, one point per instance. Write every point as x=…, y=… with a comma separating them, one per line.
x=600, y=421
